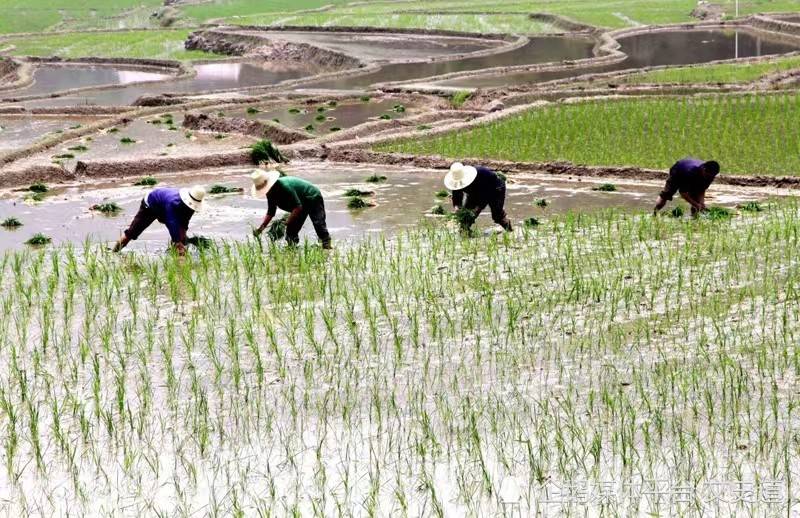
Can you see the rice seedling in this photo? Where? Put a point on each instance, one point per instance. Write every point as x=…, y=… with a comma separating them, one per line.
x=38, y=239
x=147, y=181
x=606, y=187
x=375, y=178
x=295, y=111
x=399, y=108
x=365, y=98
x=415, y=375
x=438, y=210
x=310, y=128
x=200, y=242
x=79, y=148
x=458, y=99
x=351, y=193
x=320, y=118
x=751, y=206
x=64, y=156
x=385, y=117
x=356, y=203
x=264, y=151
x=333, y=104
x=717, y=213
x=532, y=222
x=541, y=202
x=38, y=188
x=252, y=110
x=11, y=223
x=423, y=127
x=749, y=134
x=334, y=129
x=677, y=212
x=107, y=208
x=224, y=189
x=321, y=109
x=127, y=140
x=220, y=113
x=443, y=193
x=112, y=130
x=220, y=136
x=277, y=230
x=276, y=121
x=76, y=126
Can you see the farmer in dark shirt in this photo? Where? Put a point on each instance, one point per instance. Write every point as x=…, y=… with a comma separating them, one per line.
x=483, y=187
x=692, y=178
x=301, y=199
x=171, y=207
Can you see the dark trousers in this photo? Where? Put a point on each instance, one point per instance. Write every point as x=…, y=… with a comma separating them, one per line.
x=496, y=202
x=315, y=211
x=143, y=219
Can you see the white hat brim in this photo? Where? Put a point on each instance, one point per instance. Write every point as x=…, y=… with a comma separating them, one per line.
x=190, y=202
x=272, y=178
x=470, y=173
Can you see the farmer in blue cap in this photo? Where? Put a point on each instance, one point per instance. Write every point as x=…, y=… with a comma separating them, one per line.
x=691, y=178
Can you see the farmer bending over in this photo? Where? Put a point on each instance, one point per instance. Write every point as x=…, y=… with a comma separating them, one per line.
x=483, y=187
x=171, y=207
x=692, y=178
x=301, y=199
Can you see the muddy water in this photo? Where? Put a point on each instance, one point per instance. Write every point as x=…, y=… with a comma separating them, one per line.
x=657, y=49
x=384, y=47
x=57, y=78
x=210, y=76
x=403, y=201
x=341, y=116
x=544, y=49
x=22, y=132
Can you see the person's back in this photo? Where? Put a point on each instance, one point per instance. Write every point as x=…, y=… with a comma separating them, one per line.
x=166, y=203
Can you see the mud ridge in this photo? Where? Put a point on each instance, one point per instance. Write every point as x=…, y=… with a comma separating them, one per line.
x=236, y=44
x=273, y=131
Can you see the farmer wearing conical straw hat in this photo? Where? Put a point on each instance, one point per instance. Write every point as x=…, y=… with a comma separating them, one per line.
x=301, y=199
x=692, y=178
x=482, y=187
x=173, y=208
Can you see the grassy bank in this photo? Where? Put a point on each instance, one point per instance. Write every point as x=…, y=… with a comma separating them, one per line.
x=159, y=44
x=415, y=376
x=722, y=73
x=753, y=134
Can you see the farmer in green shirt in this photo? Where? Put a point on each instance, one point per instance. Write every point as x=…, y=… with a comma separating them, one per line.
x=301, y=199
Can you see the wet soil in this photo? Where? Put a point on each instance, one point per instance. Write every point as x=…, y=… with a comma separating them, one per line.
x=210, y=76
x=50, y=79
x=683, y=47
x=544, y=49
x=403, y=201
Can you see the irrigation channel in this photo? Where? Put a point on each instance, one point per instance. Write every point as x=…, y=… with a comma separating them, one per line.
x=83, y=123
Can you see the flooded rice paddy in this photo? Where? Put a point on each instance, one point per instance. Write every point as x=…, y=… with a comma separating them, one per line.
x=18, y=132
x=403, y=201
x=323, y=117
x=656, y=49
x=542, y=49
x=49, y=79
x=210, y=76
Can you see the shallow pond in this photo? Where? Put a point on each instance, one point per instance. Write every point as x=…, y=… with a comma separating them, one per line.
x=49, y=79
x=656, y=49
x=403, y=201
x=541, y=49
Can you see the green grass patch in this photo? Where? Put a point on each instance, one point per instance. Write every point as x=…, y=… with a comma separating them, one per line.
x=722, y=73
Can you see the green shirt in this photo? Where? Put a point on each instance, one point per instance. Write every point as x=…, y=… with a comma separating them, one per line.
x=290, y=192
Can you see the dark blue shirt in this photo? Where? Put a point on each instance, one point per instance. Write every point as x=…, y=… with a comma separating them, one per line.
x=170, y=210
x=686, y=176
x=483, y=189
